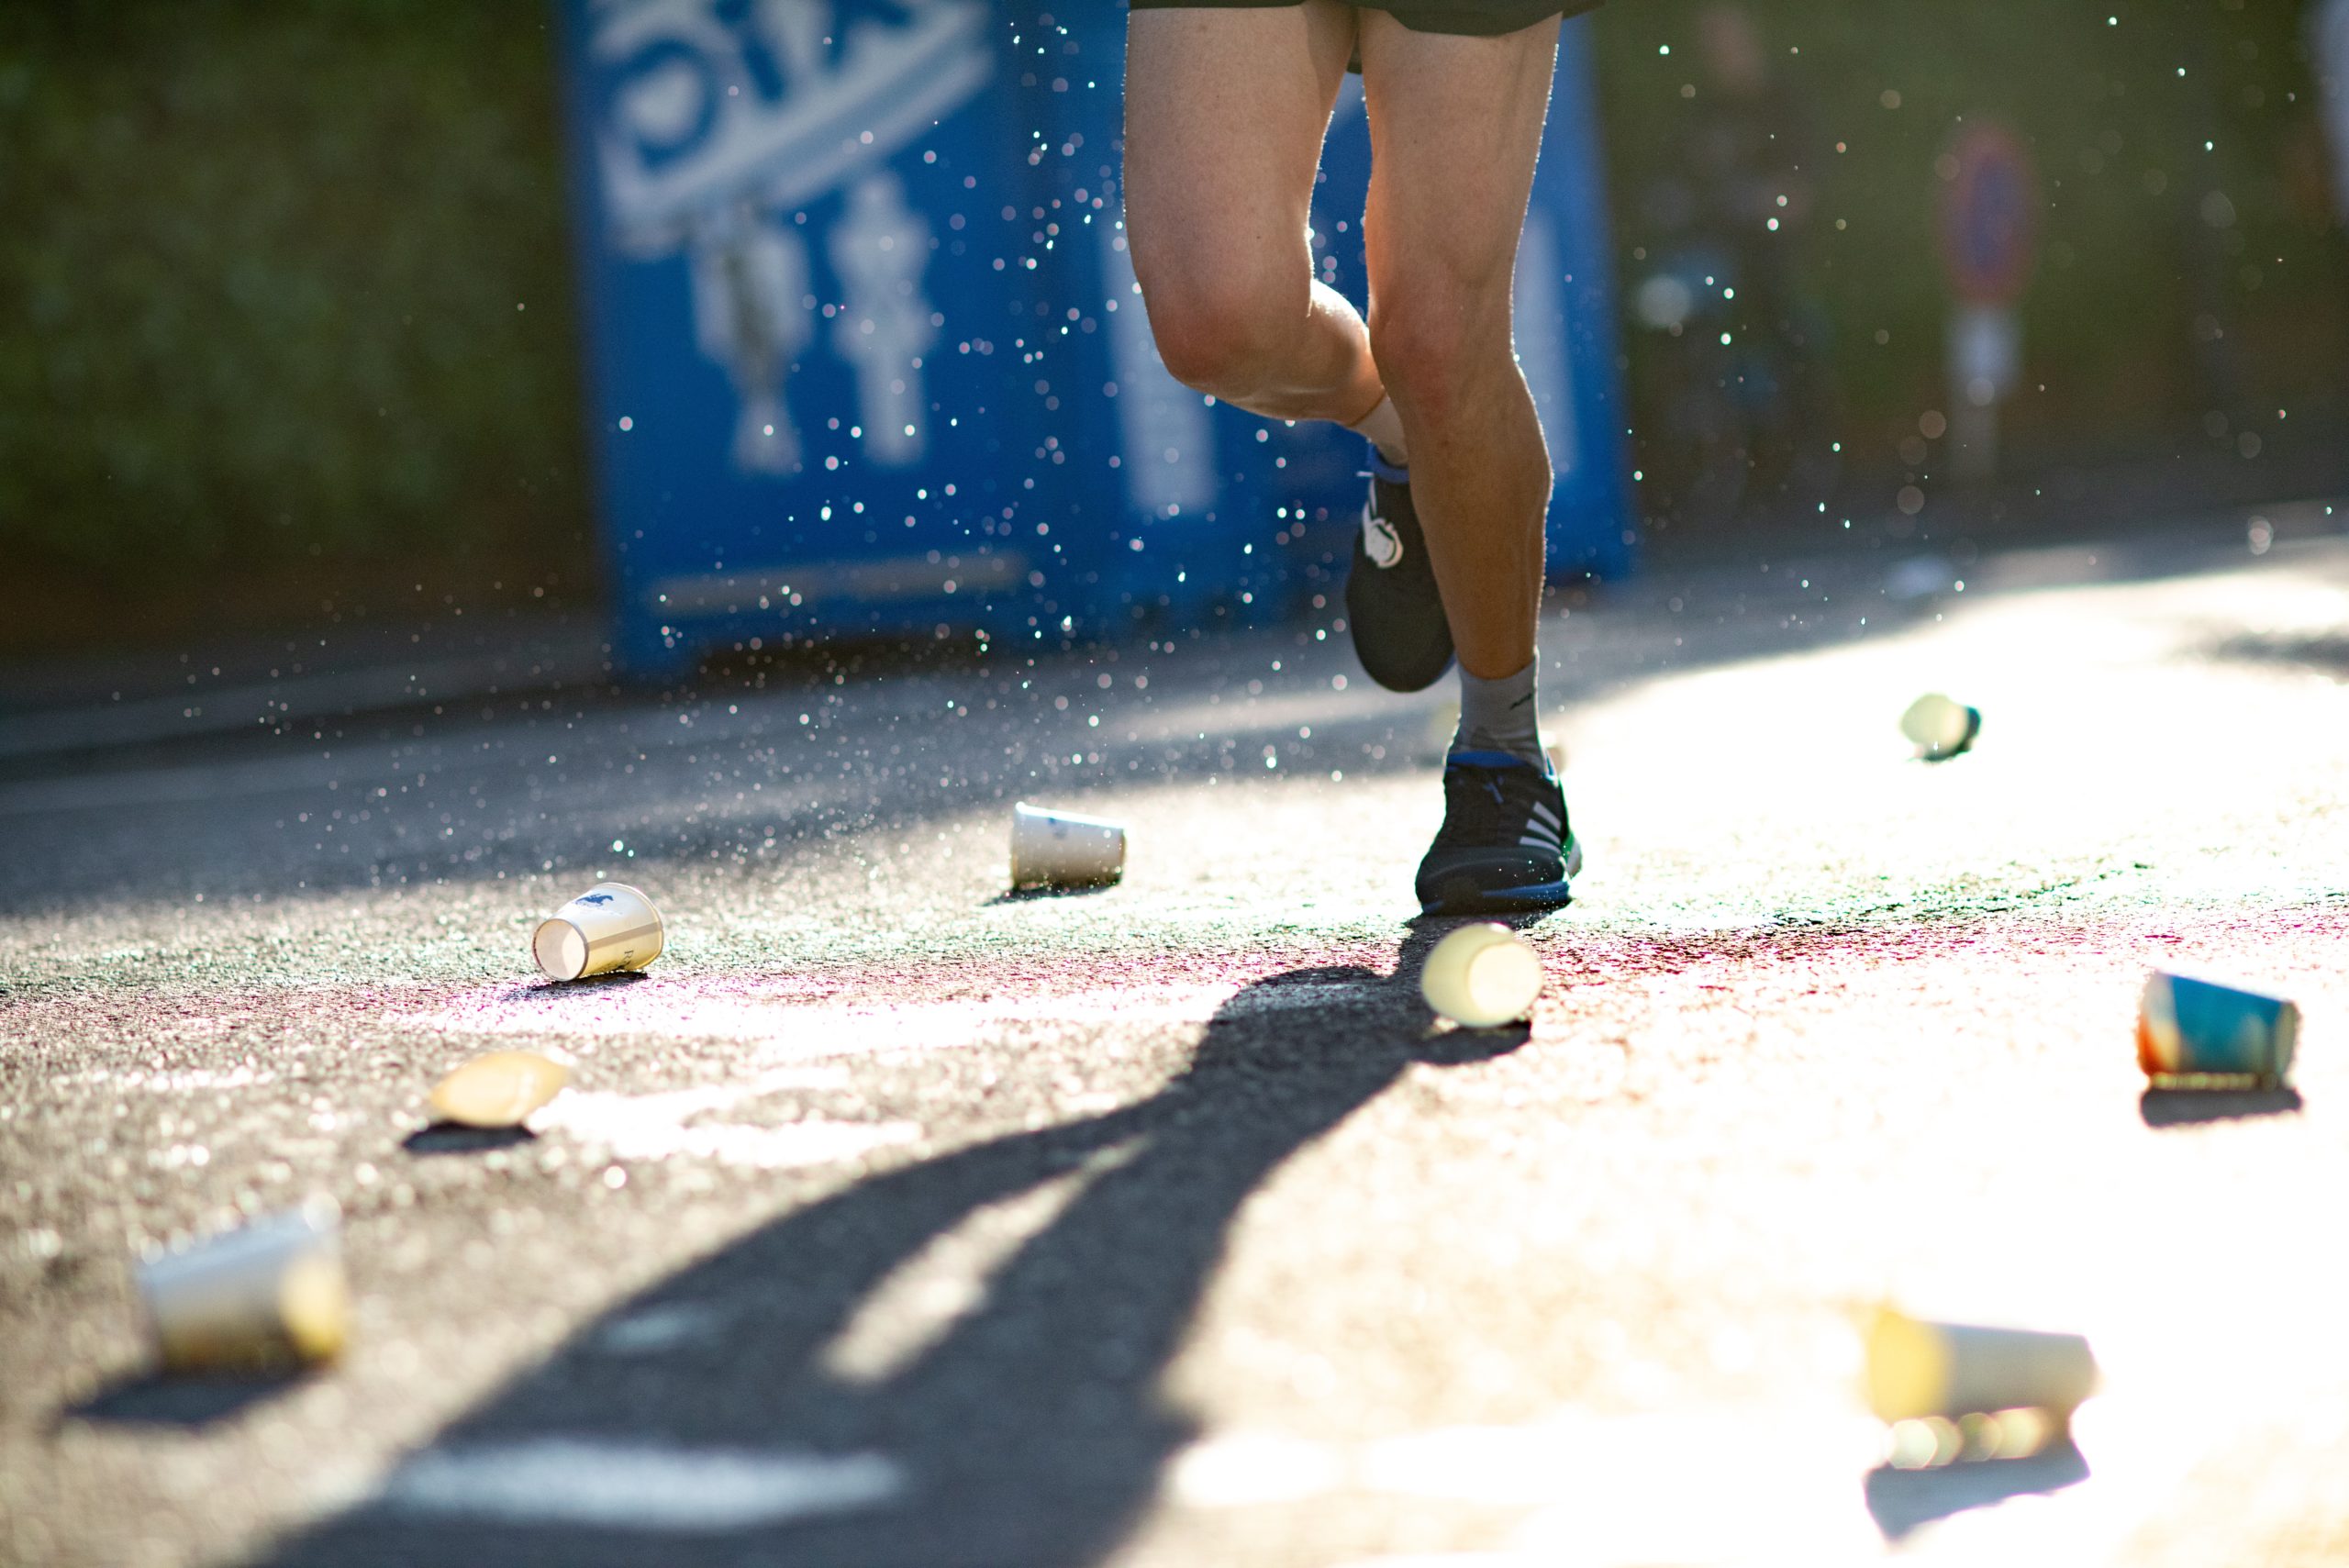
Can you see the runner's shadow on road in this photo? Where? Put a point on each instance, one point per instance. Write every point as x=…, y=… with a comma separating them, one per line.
x=2192, y=1107
x=722, y=1417
x=1903, y=1500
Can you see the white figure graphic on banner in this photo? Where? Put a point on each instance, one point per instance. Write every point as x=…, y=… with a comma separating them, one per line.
x=723, y=120
x=750, y=294
x=880, y=249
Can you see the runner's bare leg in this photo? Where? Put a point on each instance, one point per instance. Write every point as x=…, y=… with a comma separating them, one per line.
x=1455, y=126
x=1224, y=113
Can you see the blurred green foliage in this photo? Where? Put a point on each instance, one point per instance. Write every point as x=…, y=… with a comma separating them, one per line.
x=2191, y=277
x=288, y=278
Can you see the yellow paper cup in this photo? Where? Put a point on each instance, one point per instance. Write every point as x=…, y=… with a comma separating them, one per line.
x=1919, y=1368
x=1481, y=975
x=500, y=1089
x=1939, y=727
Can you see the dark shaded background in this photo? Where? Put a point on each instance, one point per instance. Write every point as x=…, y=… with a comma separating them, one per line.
x=291, y=332
x=292, y=308
x=2186, y=296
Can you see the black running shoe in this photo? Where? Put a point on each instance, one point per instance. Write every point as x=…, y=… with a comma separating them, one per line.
x=1392, y=606
x=1506, y=846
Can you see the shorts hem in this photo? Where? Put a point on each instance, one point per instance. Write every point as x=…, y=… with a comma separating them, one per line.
x=1459, y=20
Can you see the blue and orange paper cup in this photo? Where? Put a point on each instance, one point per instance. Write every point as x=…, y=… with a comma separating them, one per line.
x=2197, y=1033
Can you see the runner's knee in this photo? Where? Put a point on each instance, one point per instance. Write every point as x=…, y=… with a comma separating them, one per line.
x=1436, y=339
x=1219, y=329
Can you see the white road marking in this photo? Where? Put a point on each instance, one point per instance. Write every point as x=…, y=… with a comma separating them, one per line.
x=640, y=1486
x=661, y=1126
x=1238, y=1470
x=820, y=1029
x=124, y=789
x=657, y=1329
x=1450, y=1559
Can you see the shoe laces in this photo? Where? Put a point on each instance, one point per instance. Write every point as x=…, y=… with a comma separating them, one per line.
x=1488, y=803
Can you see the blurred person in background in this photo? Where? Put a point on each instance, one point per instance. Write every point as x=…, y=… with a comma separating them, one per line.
x=2328, y=45
x=1227, y=103
x=1755, y=408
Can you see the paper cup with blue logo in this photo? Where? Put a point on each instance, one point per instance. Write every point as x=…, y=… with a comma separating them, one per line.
x=1060, y=848
x=2192, y=1032
x=269, y=1295
x=605, y=929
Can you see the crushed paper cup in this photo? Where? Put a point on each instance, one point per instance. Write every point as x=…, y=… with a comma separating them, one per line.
x=2197, y=1033
x=1481, y=975
x=1917, y=1368
x=267, y=1295
x=608, y=927
x=1940, y=727
x=1060, y=848
x=500, y=1089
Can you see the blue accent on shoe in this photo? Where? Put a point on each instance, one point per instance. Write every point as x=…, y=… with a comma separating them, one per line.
x=1394, y=473
x=1496, y=760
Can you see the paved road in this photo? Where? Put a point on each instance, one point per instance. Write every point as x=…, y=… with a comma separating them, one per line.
x=894, y=1221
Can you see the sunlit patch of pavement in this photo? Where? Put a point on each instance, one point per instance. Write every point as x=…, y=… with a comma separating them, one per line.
x=1724, y=1488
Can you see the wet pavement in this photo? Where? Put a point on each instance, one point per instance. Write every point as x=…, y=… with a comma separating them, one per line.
x=893, y=1220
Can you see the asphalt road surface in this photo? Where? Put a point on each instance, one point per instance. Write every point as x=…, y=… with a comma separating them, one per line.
x=893, y=1220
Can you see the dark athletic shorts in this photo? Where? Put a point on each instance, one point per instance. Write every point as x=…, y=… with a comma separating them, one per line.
x=1480, y=19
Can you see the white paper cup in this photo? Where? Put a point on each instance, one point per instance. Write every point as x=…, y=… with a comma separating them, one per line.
x=1059, y=849
x=1940, y=727
x=1917, y=1369
x=267, y=1294
x=1481, y=975
x=608, y=927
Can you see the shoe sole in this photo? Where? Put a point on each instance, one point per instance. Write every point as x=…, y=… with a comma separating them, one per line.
x=1373, y=638
x=1373, y=626
x=1531, y=898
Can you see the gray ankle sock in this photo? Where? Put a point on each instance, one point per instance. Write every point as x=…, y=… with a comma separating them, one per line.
x=1498, y=715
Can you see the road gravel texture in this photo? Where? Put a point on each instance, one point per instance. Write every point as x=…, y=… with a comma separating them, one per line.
x=895, y=1220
